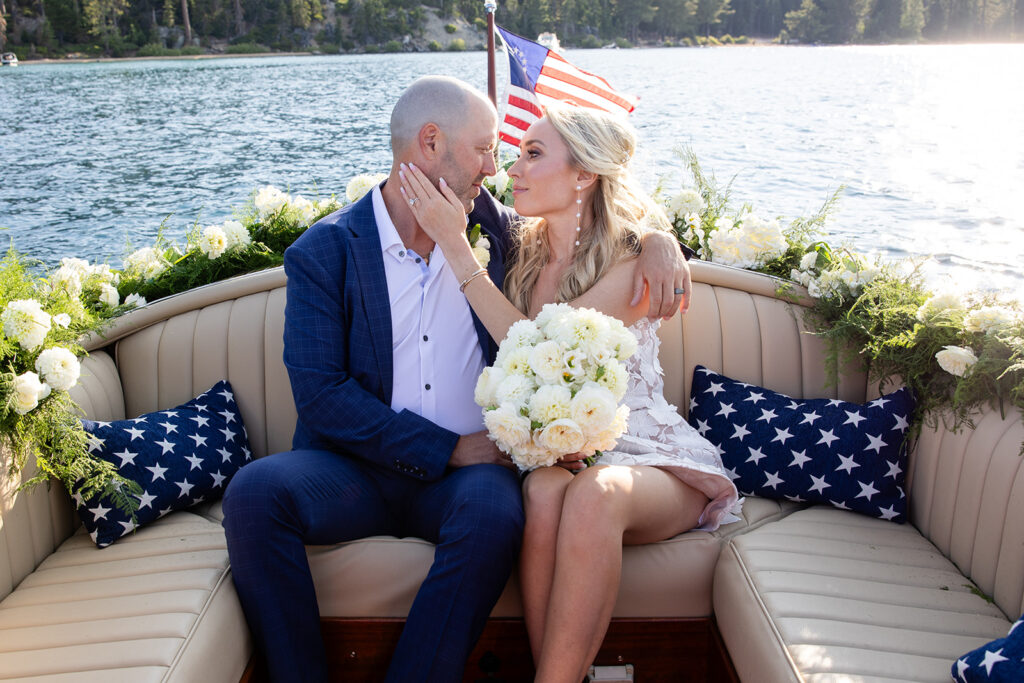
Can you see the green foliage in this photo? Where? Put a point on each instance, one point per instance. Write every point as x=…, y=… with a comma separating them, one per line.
x=392, y=46
x=623, y=43
x=434, y=46
x=246, y=49
x=48, y=428
x=878, y=315
x=457, y=45
x=450, y=28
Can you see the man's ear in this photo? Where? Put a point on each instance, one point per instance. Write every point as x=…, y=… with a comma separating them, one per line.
x=585, y=179
x=430, y=141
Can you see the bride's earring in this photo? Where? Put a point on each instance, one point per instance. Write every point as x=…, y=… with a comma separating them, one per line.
x=579, y=208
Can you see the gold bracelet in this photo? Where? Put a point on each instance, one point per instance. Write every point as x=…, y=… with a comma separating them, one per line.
x=473, y=276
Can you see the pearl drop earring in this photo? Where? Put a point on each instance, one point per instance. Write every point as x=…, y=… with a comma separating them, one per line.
x=579, y=207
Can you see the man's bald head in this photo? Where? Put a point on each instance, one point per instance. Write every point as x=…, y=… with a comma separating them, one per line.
x=441, y=100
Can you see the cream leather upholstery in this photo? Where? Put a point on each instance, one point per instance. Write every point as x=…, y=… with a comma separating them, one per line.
x=799, y=593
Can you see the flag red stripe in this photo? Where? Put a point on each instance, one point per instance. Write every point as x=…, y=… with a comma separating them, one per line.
x=605, y=94
x=562, y=96
x=525, y=104
x=517, y=122
x=505, y=137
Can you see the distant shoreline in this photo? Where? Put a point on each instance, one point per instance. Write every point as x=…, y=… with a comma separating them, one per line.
x=93, y=60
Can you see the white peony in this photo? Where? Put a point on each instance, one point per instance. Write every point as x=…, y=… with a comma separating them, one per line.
x=522, y=333
x=506, y=425
x=550, y=403
x=515, y=389
x=62, y=320
x=748, y=243
x=486, y=391
x=135, y=299
x=59, y=368
x=482, y=251
x=147, y=262
x=269, y=200
x=810, y=260
x=109, y=296
x=213, y=242
x=614, y=378
x=988, y=319
x=593, y=408
x=69, y=276
x=546, y=361
x=236, y=234
x=942, y=304
x=956, y=360
x=25, y=321
x=684, y=203
x=303, y=208
x=561, y=437
x=361, y=184
x=28, y=392
x=517, y=362
x=329, y=204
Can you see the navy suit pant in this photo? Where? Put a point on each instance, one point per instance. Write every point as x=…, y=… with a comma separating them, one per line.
x=277, y=505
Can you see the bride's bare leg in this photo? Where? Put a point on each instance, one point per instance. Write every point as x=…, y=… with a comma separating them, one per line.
x=543, y=492
x=604, y=507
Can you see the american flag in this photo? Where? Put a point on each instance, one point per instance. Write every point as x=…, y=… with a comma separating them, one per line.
x=539, y=76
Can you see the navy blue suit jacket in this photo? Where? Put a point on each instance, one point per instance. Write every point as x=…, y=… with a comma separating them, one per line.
x=338, y=343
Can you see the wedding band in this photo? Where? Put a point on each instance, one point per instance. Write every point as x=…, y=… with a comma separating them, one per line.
x=412, y=202
x=679, y=290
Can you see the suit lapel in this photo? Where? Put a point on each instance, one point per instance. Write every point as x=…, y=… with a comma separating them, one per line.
x=373, y=286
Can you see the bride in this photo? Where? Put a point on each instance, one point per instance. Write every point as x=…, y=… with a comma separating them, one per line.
x=572, y=178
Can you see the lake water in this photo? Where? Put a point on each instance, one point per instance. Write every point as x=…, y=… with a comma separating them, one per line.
x=928, y=140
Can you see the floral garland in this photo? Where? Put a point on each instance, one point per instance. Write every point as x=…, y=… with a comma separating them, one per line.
x=956, y=353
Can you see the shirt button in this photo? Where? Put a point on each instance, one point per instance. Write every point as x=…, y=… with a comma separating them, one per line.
x=424, y=337
x=418, y=260
x=401, y=254
x=427, y=387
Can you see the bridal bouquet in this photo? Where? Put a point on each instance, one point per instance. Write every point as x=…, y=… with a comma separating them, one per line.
x=555, y=386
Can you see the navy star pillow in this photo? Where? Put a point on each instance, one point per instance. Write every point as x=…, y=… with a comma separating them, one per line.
x=179, y=457
x=848, y=455
x=1001, y=661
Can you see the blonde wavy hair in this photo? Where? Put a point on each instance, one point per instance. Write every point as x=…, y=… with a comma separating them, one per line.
x=602, y=144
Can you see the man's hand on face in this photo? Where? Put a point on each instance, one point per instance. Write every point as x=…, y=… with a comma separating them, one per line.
x=477, y=449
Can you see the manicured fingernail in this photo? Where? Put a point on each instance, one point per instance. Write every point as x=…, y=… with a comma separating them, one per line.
x=413, y=166
x=443, y=182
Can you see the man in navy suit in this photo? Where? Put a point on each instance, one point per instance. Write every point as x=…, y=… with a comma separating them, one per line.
x=383, y=353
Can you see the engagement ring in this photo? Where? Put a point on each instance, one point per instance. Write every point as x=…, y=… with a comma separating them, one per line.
x=412, y=202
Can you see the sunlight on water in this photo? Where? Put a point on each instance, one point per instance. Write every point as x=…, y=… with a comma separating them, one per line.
x=928, y=141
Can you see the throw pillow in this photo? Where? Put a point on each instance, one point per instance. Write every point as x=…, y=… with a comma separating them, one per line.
x=848, y=455
x=179, y=457
x=1001, y=661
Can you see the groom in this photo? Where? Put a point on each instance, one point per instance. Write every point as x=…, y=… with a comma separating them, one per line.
x=383, y=354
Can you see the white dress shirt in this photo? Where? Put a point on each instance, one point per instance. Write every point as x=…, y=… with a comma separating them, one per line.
x=435, y=348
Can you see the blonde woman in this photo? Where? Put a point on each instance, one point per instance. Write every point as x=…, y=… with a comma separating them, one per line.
x=572, y=179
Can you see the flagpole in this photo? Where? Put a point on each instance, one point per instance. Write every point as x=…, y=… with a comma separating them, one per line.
x=492, y=89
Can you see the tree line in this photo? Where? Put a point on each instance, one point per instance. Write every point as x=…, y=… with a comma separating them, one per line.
x=125, y=27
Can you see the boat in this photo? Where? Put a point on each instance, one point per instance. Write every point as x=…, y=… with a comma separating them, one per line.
x=9, y=59
x=550, y=41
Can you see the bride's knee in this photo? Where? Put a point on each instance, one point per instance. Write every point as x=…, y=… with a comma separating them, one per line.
x=545, y=487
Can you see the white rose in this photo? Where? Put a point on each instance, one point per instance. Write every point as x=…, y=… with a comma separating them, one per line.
x=939, y=304
x=562, y=437
x=499, y=181
x=506, y=425
x=988, y=319
x=482, y=251
x=62, y=320
x=213, y=242
x=361, y=184
x=686, y=202
x=956, y=360
x=546, y=361
x=593, y=408
x=810, y=260
x=25, y=321
x=531, y=455
x=134, y=299
x=550, y=403
x=28, y=392
x=147, y=262
x=485, y=393
x=614, y=378
x=269, y=200
x=517, y=362
x=236, y=235
x=109, y=296
x=303, y=208
x=59, y=368
x=515, y=389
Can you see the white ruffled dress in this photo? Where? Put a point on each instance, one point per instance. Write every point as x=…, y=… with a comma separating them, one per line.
x=658, y=436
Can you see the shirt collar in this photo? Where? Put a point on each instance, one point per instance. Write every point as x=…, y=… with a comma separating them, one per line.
x=390, y=242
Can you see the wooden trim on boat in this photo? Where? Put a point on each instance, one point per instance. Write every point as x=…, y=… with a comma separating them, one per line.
x=660, y=650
